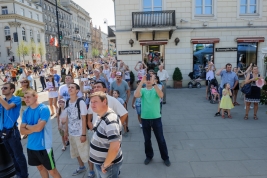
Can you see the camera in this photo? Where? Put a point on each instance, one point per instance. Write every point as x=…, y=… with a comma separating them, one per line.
x=147, y=77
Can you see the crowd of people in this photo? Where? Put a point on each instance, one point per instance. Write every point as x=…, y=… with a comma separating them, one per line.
x=92, y=115
x=226, y=93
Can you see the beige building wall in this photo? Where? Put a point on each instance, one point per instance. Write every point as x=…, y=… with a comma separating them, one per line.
x=226, y=24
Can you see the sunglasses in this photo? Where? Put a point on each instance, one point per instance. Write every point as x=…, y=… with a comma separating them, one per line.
x=61, y=101
x=24, y=82
x=4, y=88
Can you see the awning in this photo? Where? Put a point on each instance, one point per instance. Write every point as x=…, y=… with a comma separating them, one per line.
x=153, y=42
x=205, y=40
x=250, y=39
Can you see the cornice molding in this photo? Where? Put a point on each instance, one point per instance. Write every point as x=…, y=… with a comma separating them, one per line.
x=14, y=24
x=19, y=17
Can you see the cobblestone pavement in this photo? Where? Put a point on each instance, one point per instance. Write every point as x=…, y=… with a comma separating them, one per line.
x=199, y=144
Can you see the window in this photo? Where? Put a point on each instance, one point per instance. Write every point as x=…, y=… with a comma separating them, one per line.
x=23, y=34
x=246, y=54
x=22, y=12
x=4, y=10
x=49, y=8
x=31, y=35
x=45, y=17
x=202, y=55
x=8, y=51
x=46, y=39
x=44, y=6
x=7, y=33
x=45, y=27
x=152, y=5
x=203, y=7
x=248, y=7
x=30, y=15
x=21, y=1
x=29, y=4
x=38, y=37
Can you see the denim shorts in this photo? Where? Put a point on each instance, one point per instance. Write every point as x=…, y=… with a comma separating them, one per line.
x=138, y=109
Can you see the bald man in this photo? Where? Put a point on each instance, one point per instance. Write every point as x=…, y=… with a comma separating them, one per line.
x=163, y=77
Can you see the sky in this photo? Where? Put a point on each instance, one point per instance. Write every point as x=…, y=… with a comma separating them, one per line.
x=99, y=10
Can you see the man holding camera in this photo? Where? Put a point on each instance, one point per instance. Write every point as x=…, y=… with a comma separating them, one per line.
x=151, y=117
x=9, y=109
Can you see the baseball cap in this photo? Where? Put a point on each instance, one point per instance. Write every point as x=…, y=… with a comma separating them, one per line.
x=118, y=73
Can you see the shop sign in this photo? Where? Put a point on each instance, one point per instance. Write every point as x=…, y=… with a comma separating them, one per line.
x=129, y=52
x=225, y=49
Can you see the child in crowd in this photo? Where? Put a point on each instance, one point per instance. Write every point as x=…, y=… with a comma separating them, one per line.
x=136, y=104
x=214, y=93
x=116, y=95
x=112, y=76
x=226, y=102
x=61, y=120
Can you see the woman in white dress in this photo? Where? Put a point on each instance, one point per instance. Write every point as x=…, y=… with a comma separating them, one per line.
x=52, y=88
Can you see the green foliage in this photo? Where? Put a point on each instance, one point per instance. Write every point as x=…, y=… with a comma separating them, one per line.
x=32, y=48
x=177, y=75
x=95, y=52
x=40, y=50
x=23, y=49
x=111, y=53
x=132, y=78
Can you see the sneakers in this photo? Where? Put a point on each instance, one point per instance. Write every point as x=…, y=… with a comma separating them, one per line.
x=79, y=170
x=167, y=162
x=251, y=107
x=147, y=161
x=91, y=174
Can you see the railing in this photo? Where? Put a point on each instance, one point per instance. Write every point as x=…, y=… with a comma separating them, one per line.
x=153, y=19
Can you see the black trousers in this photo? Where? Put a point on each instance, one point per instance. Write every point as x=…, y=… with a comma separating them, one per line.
x=42, y=80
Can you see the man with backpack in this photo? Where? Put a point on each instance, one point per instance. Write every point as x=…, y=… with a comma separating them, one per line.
x=76, y=130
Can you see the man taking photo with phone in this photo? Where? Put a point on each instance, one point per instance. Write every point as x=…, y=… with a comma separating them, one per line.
x=151, y=117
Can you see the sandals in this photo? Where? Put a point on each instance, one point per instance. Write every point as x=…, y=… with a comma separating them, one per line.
x=229, y=116
x=246, y=117
x=223, y=117
x=236, y=104
x=217, y=114
x=255, y=117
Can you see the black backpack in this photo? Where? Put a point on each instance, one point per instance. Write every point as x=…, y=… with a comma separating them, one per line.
x=77, y=105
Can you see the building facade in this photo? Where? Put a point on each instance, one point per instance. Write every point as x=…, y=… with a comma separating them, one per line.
x=105, y=42
x=51, y=30
x=189, y=34
x=96, y=38
x=21, y=22
x=81, y=24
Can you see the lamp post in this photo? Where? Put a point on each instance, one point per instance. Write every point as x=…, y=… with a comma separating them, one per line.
x=59, y=40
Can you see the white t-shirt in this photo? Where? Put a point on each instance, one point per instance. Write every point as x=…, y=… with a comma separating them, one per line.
x=63, y=91
x=210, y=75
x=113, y=104
x=74, y=123
x=49, y=87
x=163, y=75
x=63, y=117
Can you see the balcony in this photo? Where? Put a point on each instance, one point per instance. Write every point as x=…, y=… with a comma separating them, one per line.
x=153, y=21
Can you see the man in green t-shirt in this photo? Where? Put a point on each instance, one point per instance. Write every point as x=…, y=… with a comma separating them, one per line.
x=151, y=117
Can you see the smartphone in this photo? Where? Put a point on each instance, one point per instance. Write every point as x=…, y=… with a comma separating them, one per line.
x=147, y=76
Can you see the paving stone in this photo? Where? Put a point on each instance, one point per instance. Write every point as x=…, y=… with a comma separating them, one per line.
x=209, y=154
x=256, y=167
x=205, y=169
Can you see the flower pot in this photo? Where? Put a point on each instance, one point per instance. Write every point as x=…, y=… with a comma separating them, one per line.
x=177, y=84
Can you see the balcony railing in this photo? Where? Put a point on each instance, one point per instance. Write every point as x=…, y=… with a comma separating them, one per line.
x=153, y=19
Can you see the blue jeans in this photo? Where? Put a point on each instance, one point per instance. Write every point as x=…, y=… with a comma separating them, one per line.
x=14, y=148
x=156, y=124
x=112, y=171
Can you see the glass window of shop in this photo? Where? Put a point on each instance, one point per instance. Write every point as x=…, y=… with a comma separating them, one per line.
x=202, y=56
x=246, y=54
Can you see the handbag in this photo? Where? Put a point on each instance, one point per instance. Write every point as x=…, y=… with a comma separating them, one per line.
x=246, y=89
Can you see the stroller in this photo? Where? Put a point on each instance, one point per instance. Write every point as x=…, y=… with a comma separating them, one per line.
x=195, y=81
x=213, y=82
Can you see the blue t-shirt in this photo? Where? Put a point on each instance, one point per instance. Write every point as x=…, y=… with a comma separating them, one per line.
x=228, y=77
x=122, y=88
x=57, y=77
x=38, y=140
x=10, y=116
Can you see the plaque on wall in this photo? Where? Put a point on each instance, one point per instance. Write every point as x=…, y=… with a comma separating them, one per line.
x=129, y=52
x=226, y=49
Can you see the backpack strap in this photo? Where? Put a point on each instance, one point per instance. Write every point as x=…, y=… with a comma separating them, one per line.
x=77, y=105
x=67, y=103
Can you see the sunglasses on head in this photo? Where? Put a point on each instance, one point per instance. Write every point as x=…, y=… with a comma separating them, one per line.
x=4, y=88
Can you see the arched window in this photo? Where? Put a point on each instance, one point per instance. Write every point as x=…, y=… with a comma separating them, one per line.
x=23, y=34
x=31, y=35
x=38, y=37
x=7, y=33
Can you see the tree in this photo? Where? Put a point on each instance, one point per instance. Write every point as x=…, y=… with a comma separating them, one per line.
x=23, y=49
x=41, y=50
x=111, y=53
x=95, y=52
x=32, y=48
x=177, y=75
